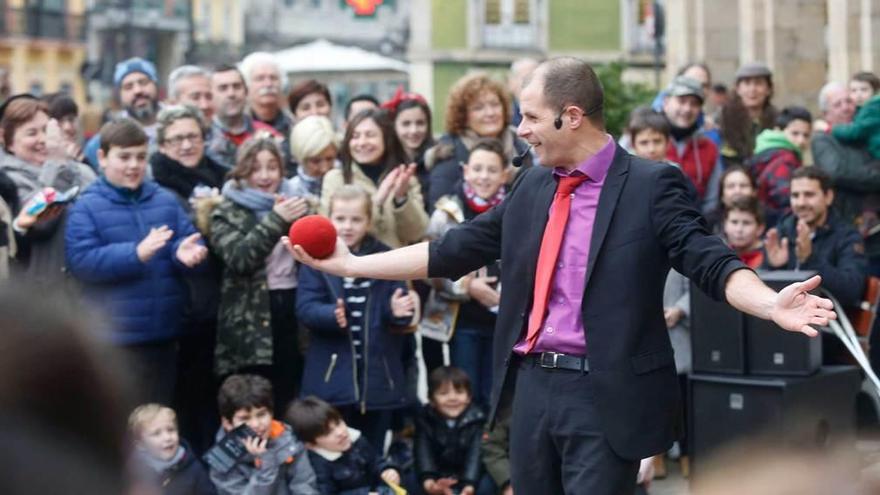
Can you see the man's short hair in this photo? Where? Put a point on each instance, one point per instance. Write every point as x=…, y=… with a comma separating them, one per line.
x=826, y=90
x=868, y=77
x=248, y=63
x=645, y=118
x=792, y=113
x=228, y=67
x=814, y=173
x=243, y=392
x=123, y=133
x=311, y=418
x=748, y=204
x=181, y=73
x=571, y=81
x=356, y=98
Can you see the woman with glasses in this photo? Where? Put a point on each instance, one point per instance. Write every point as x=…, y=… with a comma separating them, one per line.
x=182, y=166
x=478, y=107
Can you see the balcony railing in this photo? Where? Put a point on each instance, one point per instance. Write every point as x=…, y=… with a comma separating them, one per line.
x=165, y=8
x=34, y=23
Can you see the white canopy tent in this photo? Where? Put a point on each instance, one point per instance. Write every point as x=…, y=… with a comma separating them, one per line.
x=324, y=56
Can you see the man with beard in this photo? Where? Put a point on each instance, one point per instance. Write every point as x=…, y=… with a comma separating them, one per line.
x=696, y=154
x=812, y=237
x=137, y=87
x=232, y=126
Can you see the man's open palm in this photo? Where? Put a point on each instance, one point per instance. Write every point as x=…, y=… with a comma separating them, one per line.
x=796, y=309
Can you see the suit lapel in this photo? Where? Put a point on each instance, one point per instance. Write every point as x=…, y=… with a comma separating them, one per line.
x=607, y=203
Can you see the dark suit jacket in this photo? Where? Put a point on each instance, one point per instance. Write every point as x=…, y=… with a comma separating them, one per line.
x=645, y=222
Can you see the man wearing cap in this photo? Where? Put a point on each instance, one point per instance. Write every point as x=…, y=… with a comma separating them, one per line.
x=696, y=154
x=137, y=86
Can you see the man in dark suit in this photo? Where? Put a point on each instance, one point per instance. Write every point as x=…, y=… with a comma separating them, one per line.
x=581, y=346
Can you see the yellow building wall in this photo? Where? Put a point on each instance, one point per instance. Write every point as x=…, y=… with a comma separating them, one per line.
x=224, y=22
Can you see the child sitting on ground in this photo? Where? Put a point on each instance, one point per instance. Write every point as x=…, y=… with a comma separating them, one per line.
x=448, y=437
x=343, y=460
x=276, y=462
x=161, y=458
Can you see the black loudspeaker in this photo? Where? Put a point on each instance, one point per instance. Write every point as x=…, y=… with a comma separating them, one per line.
x=773, y=351
x=817, y=411
x=717, y=337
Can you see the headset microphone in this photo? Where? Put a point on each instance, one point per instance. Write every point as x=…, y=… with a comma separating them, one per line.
x=518, y=159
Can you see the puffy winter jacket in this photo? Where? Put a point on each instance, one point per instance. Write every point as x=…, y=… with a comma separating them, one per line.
x=144, y=300
x=330, y=372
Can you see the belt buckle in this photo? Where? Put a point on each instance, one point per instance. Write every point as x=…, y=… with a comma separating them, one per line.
x=553, y=363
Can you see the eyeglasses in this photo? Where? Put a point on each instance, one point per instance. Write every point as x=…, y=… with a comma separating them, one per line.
x=176, y=141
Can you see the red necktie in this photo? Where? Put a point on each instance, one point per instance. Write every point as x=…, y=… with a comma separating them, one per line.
x=550, y=245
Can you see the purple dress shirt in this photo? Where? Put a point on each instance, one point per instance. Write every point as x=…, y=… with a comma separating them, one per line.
x=562, y=329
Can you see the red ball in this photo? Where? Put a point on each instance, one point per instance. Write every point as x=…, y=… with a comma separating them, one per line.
x=315, y=234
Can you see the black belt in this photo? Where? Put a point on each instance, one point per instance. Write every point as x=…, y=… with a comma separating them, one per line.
x=556, y=360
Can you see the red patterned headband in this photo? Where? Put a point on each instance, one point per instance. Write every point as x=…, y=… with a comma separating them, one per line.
x=401, y=96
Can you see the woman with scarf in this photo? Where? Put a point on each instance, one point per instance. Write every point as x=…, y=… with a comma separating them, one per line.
x=478, y=107
x=372, y=158
x=182, y=166
x=257, y=326
x=35, y=156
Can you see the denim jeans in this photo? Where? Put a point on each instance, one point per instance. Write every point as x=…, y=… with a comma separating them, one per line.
x=471, y=350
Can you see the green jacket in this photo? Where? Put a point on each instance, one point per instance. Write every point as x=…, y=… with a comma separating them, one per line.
x=864, y=129
x=244, y=325
x=773, y=139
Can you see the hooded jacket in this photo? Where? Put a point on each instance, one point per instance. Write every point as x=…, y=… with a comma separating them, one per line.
x=775, y=159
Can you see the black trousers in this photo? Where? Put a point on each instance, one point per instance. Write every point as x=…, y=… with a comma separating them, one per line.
x=196, y=391
x=556, y=442
x=287, y=360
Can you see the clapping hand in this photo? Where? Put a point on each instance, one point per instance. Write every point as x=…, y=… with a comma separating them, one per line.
x=803, y=246
x=290, y=208
x=777, y=250
x=190, y=252
x=396, y=183
x=153, y=242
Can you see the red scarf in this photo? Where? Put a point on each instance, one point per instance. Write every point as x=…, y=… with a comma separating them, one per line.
x=478, y=204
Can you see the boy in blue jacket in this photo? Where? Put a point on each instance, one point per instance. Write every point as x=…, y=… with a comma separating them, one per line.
x=354, y=356
x=128, y=242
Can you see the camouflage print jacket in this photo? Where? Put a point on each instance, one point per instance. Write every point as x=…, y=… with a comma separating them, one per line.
x=244, y=327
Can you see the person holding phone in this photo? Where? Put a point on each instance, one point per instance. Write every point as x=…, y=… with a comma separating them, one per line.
x=35, y=156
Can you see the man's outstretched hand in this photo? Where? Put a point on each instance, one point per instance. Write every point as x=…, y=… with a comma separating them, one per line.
x=795, y=309
x=335, y=264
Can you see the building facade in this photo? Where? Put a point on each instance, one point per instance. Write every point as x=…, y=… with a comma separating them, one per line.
x=449, y=38
x=805, y=42
x=42, y=45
